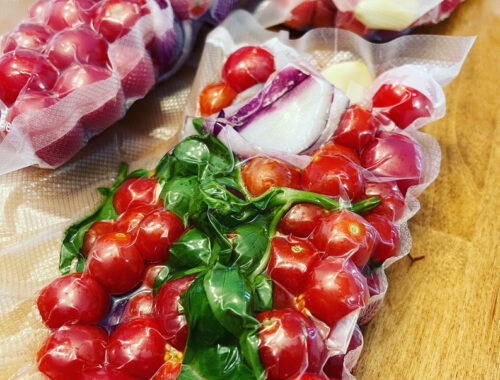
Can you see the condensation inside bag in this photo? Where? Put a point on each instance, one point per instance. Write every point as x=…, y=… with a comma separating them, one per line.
x=38, y=205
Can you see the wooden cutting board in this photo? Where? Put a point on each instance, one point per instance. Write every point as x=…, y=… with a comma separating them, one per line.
x=441, y=315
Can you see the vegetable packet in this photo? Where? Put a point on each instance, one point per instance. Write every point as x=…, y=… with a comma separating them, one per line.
x=379, y=20
x=425, y=63
x=80, y=70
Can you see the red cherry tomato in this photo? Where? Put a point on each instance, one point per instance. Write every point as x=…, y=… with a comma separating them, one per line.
x=388, y=237
x=116, y=263
x=397, y=156
x=172, y=367
x=281, y=298
x=130, y=220
x=80, y=45
x=140, y=305
x=260, y=174
x=77, y=76
x=135, y=192
x=246, y=67
x=29, y=103
x=39, y=10
x=332, y=148
x=26, y=36
x=301, y=15
x=289, y=343
x=402, y=104
x=336, y=288
x=346, y=20
x=150, y=276
x=215, y=97
x=392, y=202
x=104, y=373
x=156, y=234
x=115, y=18
x=334, y=366
x=73, y=299
x=137, y=347
x=24, y=68
x=334, y=175
x=67, y=13
x=95, y=231
x=324, y=14
x=347, y=234
x=69, y=350
x=356, y=128
x=301, y=219
x=291, y=262
x=189, y=9
x=166, y=311
x=311, y=376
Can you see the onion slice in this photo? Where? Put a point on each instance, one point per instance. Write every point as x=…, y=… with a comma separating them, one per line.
x=295, y=112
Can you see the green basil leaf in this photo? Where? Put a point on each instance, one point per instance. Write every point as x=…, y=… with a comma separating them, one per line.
x=250, y=244
x=181, y=195
x=192, y=249
x=263, y=293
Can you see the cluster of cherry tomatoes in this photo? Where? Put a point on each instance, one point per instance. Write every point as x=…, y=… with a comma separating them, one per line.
x=122, y=255
x=324, y=13
x=64, y=45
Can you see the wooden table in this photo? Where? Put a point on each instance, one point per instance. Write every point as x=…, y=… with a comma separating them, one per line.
x=441, y=315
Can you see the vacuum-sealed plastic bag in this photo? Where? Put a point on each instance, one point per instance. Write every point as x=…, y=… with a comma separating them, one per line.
x=73, y=67
x=379, y=20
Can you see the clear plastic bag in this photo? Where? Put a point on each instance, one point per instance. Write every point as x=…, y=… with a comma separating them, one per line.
x=379, y=20
x=81, y=69
x=421, y=63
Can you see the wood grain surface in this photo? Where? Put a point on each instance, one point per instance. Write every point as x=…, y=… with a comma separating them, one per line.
x=441, y=315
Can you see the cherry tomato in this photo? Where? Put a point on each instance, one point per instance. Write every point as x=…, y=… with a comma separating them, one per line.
x=261, y=173
x=29, y=103
x=73, y=299
x=172, y=367
x=79, y=45
x=301, y=219
x=104, y=373
x=332, y=148
x=116, y=263
x=356, y=128
x=388, y=237
x=77, y=76
x=334, y=366
x=392, y=202
x=156, y=234
x=281, y=298
x=346, y=20
x=69, y=350
x=137, y=347
x=139, y=305
x=26, y=36
x=215, y=97
x=345, y=233
x=67, y=13
x=336, y=288
x=311, y=376
x=301, y=15
x=189, y=9
x=291, y=262
x=402, y=104
x=289, y=343
x=136, y=70
x=115, y=18
x=95, y=231
x=166, y=311
x=130, y=220
x=135, y=192
x=246, y=67
x=39, y=10
x=150, y=276
x=397, y=156
x=336, y=176
x=22, y=68
x=324, y=14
